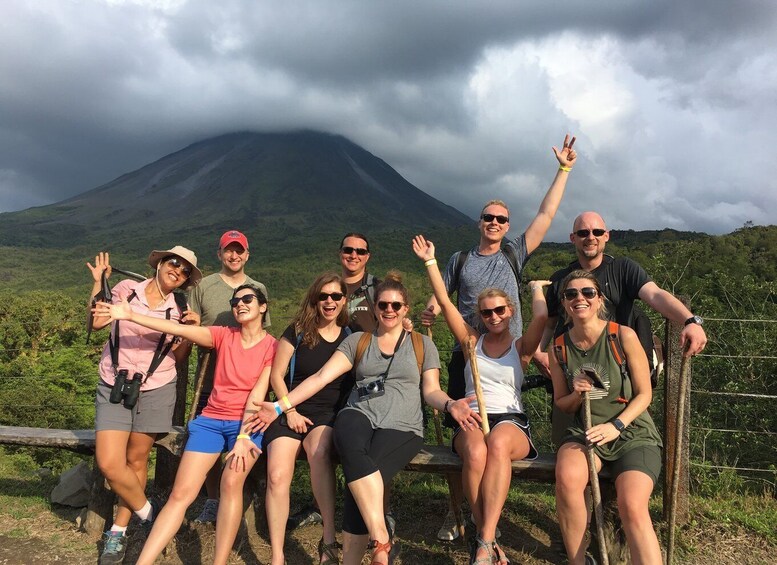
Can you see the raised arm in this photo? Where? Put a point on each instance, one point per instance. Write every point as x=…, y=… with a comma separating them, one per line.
x=540, y=225
x=101, y=264
x=424, y=250
x=530, y=339
x=122, y=311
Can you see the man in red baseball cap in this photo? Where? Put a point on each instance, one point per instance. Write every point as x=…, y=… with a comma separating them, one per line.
x=210, y=299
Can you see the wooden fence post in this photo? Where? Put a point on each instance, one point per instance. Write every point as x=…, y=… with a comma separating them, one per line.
x=674, y=355
x=166, y=462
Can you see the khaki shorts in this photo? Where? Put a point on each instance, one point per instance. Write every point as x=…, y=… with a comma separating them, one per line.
x=152, y=414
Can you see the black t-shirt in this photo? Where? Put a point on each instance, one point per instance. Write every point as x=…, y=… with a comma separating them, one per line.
x=620, y=279
x=309, y=361
x=361, y=300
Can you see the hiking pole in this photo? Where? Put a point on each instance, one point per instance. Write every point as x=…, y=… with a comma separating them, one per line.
x=473, y=365
x=678, y=443
x=450, y=478
x=593, y=476
x=205, y=359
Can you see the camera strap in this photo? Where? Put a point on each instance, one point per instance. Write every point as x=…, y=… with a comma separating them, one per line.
x=160, y=352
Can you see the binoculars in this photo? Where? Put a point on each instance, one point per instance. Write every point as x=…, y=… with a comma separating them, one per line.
x=129, y=390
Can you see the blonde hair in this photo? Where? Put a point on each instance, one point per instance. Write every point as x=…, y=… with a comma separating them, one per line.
x=495, y=202
x=496, y=293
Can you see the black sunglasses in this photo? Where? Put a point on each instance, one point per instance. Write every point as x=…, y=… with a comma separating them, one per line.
x=176, y=263
x=492, y=217
x=598, y=232
x=396, y=306
x=499, y=311
x=333, y=295
x=588, y=292
x=357, y=250
x=245, y=299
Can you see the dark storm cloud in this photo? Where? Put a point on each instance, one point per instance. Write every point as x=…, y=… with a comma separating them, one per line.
x=672, y=101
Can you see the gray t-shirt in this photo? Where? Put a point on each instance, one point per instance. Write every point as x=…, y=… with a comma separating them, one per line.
x=488, y=271
x=210, y=299
x=400, y=407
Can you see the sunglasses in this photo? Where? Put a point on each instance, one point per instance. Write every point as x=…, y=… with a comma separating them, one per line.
x=492, y=217
x=588, y=292
x=336, y=296
x=499, y=311
x=598, y=232
x=357, y=250
x=396, y=306
x=176, y=263
x=245, y=299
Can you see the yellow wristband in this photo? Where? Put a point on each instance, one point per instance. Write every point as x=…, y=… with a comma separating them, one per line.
x=430, y=262
x=565, y=169
x=285, y=400
x=243, y=436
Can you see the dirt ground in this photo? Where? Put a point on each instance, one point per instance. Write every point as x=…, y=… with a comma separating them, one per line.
x=529, y=536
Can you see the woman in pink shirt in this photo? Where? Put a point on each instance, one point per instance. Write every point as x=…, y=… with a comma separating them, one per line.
x=136, y=392
x=243, y=361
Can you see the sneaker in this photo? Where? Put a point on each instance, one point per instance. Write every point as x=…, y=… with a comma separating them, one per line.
x=209, y=512
x=497, y=533
x=448, y=531
x=308, y=516
x=114, y=548
x=391, y=524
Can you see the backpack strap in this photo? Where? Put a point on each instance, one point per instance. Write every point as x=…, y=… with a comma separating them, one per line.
x=560, y=350
x=361, y=347
x=461, y=258
x=512, y=259
x=180, y=301
x=367, y=288
x=293, y=361
x=418, y=347
x=613, y=339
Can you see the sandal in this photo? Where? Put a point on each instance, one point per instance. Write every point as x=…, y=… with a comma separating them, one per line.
x=330, y=551
x=390, y=548
x=480, y=543
x=499, y=555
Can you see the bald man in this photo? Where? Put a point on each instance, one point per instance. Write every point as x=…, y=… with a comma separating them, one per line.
x=622, y=281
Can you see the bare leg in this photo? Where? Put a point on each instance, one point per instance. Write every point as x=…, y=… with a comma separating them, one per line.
x=471, y=447
x=571, y=508
x=354, y=547
x=213, y=479
x=368, y=494
x=188, y=481
x=123, y=460
x=318, y=446
x=634, y=489
x=230, y=509
x=281, y=455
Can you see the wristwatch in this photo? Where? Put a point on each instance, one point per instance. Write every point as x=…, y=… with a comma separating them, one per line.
x=694, y=320
x=618, y=425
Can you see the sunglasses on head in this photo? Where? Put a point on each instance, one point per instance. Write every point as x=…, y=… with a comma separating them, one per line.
x=245, y=299
x=588, y=292
x=598, y=232
x=176, y=263
x=498, y=310
x=333, y=295
x=357, y=250
x=492, y=217
x=396, y=306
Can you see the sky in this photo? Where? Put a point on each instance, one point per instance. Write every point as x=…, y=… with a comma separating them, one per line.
x=674, y=104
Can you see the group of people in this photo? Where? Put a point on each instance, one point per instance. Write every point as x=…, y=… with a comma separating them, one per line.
x=346, y=375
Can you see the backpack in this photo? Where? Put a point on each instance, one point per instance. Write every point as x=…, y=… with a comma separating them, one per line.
x=507, y=251
x=418, y=348
x=613, y=340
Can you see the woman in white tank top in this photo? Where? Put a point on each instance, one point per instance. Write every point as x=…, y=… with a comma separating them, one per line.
x=501, y=359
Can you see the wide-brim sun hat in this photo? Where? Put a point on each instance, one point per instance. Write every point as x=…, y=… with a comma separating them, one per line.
x=186, y=254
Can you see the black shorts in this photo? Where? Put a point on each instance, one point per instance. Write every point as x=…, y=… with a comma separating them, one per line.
x=517, y=419
x=279, y=428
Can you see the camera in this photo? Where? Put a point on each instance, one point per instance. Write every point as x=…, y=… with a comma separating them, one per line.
x=372, y=389
x=129, y=390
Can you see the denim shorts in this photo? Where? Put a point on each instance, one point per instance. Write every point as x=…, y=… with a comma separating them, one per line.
x=210, y=435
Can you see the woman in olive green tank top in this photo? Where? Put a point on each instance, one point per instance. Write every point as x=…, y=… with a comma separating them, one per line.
x=623, y=435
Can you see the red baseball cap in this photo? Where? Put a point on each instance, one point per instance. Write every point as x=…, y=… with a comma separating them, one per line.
x=233, y=236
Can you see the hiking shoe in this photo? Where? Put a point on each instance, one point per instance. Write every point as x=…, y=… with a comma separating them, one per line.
x=305, y=517
x=209, y=512
x=497, y=532
x=448, y=531
x=391, y=524
x=114, y=548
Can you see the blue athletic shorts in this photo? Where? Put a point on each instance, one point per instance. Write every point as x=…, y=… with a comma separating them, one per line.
x=209, y=435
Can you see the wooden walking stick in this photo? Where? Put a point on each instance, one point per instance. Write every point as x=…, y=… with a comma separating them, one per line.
x=198, y=384
x=450, y=478
x=473, y=365
x=678, y=444
x=593, y=476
